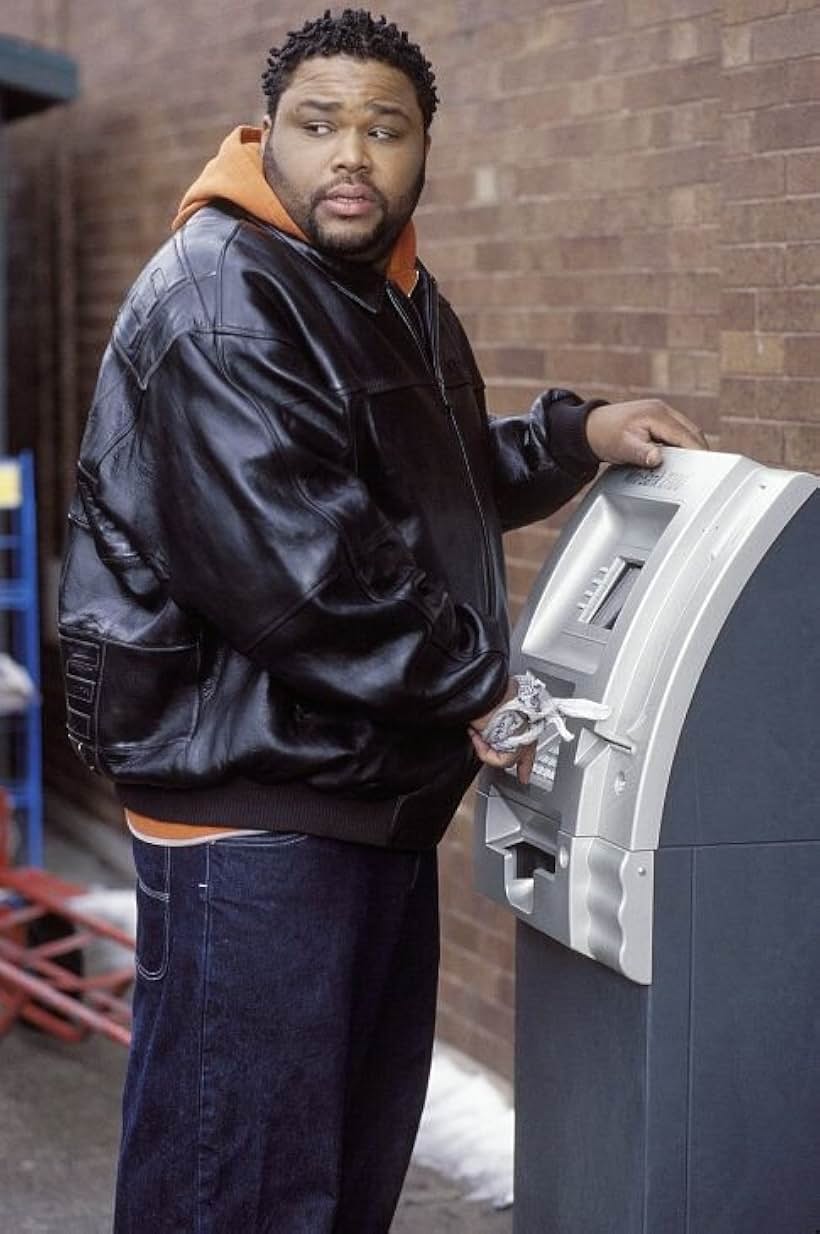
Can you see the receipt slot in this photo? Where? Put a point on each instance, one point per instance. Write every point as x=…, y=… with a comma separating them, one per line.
x=665, y=865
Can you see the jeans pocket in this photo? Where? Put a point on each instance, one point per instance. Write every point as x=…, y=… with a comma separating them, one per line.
x=153, y=863
x=264, y=839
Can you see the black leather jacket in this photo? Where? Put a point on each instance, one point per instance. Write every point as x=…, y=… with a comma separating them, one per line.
x=283, y=596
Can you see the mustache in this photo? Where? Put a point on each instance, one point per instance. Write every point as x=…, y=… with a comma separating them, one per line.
x=348, y=183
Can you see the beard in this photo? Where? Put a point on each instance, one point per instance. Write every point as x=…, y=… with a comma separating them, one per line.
x=372, y=246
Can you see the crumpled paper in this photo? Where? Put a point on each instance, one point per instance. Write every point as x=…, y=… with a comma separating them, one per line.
x=527, y=718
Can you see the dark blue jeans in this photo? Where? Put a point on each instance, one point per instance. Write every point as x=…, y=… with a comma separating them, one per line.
x=283, y=1026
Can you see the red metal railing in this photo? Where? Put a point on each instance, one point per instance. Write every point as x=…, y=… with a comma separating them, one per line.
x=43, y=982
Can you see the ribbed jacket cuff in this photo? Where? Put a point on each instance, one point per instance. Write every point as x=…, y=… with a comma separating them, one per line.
x=567, y=417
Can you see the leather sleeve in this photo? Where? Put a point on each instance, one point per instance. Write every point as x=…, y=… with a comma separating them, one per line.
x=255, y=518
x=540, y=460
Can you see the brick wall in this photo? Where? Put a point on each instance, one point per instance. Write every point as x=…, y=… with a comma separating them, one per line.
x=624, y=197
x=770, y=230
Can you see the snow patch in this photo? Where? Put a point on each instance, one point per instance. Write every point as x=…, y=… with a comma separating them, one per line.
x=467, y=1128
x=118, y=908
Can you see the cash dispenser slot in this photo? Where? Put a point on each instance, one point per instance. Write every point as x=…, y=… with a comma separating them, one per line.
x=524, y=862
x=529, y=858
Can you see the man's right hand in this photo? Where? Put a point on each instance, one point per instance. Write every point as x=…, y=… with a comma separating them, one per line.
x=522, y=759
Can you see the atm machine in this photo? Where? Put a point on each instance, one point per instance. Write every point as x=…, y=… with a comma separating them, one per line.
x=664, y=866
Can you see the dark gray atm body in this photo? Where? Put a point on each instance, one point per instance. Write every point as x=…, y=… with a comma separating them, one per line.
x=673, y=1086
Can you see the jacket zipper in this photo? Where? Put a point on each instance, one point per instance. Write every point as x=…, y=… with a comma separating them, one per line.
x=435, y=370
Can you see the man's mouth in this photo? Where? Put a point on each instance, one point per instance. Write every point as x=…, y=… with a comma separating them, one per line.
x=350, y=200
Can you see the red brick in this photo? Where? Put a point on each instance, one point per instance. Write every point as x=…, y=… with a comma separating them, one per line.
x=697, y=330
x=591, y=252
x=538, y=326
x=693, y=372
x=530, y=71
x=738, y=310
x=803, y=173
x=763, y=175
x=802, y=356
x=752, y=352
x=631, y=50
x=788, y=219
x=647, y=250
x=648, y=12
x=797, y=34
x=511, y=362
x=631, y=329
x=746, y=89
x=672, y=84
x=804, y=79
x=803, y=263
x=738, y=396
x=738, y=134
x=786, y=398
x=585, y=366
x=606, y=94
x=736, y=44
x=698, y=39
x=687, y=124
x=756, y=438
x=749, y=10
x=693, y=248
x=802, y=446
x=791, y=311
x=786, y=128
x=756, y=265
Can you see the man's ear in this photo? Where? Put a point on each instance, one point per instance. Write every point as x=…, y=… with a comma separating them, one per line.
x=267, y=129
x=428, y=141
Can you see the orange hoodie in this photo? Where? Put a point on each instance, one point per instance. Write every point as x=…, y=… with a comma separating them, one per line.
x=235, y=174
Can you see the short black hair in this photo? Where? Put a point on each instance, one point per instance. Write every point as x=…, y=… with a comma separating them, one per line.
x=355, y=32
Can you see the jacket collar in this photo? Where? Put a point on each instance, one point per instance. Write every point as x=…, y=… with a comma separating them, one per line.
x=357, y=281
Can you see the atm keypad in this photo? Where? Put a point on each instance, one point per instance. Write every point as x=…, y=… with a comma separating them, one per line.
x=545, y=765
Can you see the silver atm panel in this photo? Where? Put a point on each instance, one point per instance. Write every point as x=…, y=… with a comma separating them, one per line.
x=625, y=612
x=664, y=867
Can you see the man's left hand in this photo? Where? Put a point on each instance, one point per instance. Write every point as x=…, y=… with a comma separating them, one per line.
x=633, y=432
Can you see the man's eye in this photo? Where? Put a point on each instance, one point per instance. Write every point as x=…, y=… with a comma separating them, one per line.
x=319, y=127
x=384, y=134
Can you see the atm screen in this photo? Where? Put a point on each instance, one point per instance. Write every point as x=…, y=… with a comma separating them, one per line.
x=608, y=609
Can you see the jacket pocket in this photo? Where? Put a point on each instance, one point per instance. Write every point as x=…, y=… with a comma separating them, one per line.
x=121, y=696
x=82, y=664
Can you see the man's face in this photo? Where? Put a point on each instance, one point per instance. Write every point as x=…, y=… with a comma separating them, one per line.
x=346, y=154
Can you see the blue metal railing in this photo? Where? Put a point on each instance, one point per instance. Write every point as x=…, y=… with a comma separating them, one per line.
x=19, y=606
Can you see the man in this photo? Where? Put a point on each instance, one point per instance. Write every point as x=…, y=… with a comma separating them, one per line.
x=284, y=628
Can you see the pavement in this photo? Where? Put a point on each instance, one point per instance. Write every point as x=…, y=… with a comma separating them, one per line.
x=59, y=1121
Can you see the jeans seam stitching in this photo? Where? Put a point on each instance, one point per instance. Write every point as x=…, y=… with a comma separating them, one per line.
x=199, y=1206
x=164, y=898
x=229, y=843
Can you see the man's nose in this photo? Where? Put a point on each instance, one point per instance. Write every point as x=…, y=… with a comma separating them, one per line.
x=350, y=153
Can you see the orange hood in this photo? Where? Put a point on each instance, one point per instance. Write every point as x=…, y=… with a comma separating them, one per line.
x=235, y=174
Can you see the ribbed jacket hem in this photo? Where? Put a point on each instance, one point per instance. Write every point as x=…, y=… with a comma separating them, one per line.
x=286, y=807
